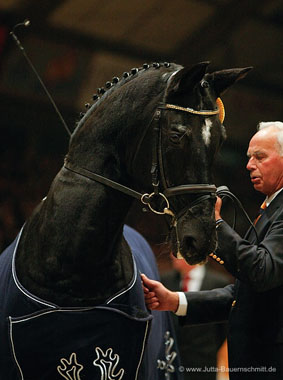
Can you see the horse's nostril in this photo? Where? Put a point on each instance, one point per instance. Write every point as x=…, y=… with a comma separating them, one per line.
x=189, y=242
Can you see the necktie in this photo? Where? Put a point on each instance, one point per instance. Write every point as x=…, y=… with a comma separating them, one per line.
x=262, y=208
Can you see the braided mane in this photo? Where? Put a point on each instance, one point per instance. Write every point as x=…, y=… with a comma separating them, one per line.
x=116, y=82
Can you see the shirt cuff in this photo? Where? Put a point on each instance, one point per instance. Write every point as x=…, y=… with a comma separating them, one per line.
x=218, y=222
x=183, y=305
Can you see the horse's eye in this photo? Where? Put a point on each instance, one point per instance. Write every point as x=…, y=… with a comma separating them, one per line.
x=175, y=138
x=204, y=84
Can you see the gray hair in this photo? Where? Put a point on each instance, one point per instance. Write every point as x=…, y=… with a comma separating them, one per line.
x=279, y=126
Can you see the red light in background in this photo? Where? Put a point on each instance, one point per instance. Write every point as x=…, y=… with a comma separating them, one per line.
x=3, y=37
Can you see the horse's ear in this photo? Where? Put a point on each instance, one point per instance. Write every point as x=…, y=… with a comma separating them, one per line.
x=186, y=78
x=221, y=80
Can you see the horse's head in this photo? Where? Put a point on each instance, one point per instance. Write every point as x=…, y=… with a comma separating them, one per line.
x=189, y=143
x=161, y=125
x=185, y=137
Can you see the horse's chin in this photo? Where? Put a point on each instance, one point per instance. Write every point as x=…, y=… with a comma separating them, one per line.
x=192, y=258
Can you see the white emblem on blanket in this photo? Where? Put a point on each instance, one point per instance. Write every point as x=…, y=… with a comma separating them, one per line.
x=106, y=361
x=70, y=369
x=166, y=365
x=107, y=364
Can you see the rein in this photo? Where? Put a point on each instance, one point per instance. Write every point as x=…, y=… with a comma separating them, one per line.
x=222, y=192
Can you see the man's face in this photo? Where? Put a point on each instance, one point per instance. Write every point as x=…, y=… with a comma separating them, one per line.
x=265, y=163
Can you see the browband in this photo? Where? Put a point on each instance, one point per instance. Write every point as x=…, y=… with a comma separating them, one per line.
x=220, y=110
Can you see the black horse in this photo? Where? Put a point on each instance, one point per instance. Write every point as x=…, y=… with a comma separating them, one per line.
x=152, y=135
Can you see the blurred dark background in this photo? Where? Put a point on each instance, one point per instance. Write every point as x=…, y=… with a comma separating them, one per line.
x=77, y=45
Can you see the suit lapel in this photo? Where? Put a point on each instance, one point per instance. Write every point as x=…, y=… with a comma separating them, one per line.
x=265, y=220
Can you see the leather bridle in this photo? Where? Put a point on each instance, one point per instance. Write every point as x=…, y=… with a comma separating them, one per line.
x=157, y=169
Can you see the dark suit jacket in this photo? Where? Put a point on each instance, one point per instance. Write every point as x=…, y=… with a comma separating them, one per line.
x=255, y=337
x=198, y=345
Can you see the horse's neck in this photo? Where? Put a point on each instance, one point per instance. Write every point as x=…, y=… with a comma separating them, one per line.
x=72, y=250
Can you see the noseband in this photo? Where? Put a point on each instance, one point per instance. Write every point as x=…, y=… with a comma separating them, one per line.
x=157, y=170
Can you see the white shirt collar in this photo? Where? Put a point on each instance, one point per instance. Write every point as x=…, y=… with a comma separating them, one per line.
x=268, y=200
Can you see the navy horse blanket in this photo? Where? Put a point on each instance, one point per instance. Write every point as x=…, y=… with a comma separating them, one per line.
x=118, y=340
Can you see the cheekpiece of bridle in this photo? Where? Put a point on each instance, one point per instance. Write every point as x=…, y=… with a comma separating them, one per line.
x=157, y=170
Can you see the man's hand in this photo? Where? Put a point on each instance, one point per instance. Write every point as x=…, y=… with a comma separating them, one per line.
x=157, y=297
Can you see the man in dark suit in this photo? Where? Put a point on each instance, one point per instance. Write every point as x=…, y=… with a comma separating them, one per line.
x=198, y=345
x=254, y=305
